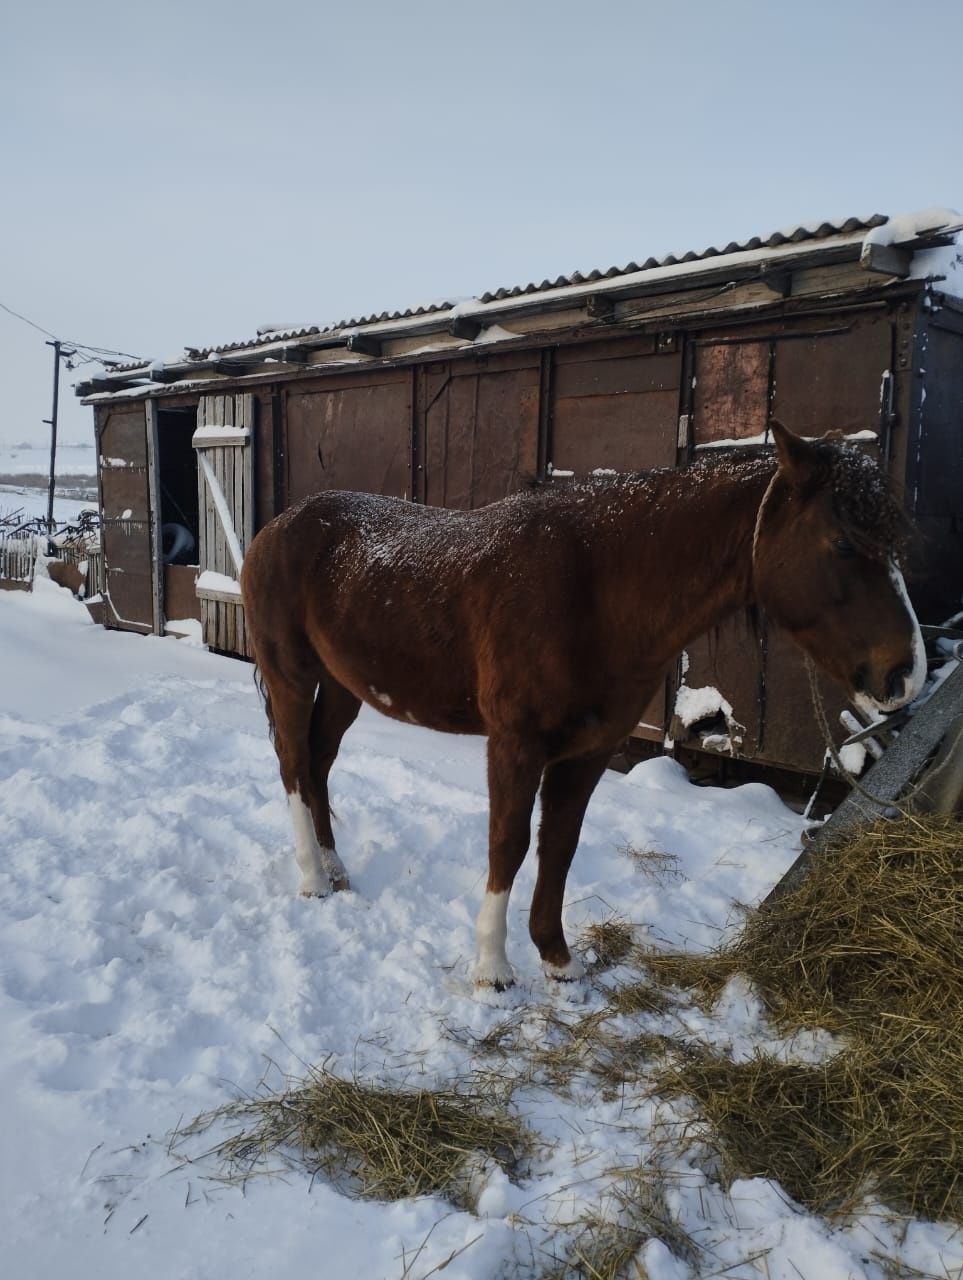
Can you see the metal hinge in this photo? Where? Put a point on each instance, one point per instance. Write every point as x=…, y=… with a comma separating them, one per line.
x=683, y=438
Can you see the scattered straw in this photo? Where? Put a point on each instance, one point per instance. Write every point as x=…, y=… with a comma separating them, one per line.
x=605, y=1242
x=662, y=867
x=610, y=941
x=870, y=945
x=371, y=1141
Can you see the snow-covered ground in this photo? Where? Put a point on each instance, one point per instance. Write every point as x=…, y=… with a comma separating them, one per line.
x=154, y=954
x=29, y=502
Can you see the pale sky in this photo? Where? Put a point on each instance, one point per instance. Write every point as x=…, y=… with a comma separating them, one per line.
x=182, y=173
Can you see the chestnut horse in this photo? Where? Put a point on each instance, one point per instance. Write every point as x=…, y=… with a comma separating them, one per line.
x=548, y=620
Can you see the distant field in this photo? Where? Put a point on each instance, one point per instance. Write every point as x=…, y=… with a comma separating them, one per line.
x=34, y=460
x=24, y=472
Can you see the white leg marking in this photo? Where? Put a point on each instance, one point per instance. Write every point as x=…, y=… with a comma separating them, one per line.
x=315, y=881
x=492, y=968
x=570, y=972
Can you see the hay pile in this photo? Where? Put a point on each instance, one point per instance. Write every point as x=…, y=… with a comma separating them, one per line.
x=370, y=1140
x=869, y=946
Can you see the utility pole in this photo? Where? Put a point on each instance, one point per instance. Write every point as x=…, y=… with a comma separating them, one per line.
x=52, y=424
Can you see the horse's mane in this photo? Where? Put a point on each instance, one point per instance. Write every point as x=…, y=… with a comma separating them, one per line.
x=868, y=509
x=871, y=516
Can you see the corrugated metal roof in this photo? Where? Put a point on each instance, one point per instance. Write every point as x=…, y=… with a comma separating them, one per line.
x=813, y=231
x=275, y=335
x=793, y=235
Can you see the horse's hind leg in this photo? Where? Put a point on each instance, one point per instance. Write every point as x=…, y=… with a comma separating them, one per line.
x=335, y=709
x=566, y=789
x=289, y=702
x=514, y=768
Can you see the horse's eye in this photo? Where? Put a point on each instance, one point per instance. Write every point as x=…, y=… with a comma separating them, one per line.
x=844, y=548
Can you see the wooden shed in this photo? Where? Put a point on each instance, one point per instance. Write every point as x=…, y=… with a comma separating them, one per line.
x=854, y=326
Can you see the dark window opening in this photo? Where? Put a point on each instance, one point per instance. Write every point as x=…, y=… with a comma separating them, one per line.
x=178, y=485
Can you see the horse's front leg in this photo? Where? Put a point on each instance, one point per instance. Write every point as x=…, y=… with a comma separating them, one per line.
x=566, y=789
x=514, y=768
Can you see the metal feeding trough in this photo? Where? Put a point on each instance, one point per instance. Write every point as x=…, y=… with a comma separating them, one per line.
x=918, y=766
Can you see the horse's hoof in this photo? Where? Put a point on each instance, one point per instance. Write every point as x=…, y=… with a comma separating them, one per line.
x=341, y=885
x=571, y=972
x=313, y=891
x=493, y=984
x=496, y=978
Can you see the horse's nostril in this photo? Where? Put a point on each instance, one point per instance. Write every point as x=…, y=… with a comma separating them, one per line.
x=897, y=681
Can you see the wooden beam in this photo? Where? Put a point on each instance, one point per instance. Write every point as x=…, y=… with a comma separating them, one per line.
x=599, y=307
x=294, y=355
x=780, y=282
x=364, y=344
x=156, y=536
x=886, y=260
x=102, y=382
x=464, y=327
x=160, y=373
x=231, y=368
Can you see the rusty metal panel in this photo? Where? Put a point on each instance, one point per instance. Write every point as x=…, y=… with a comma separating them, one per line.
x=791, y=733
x=615, y=411
x=731, y=393
x=125, y=491
x=480, y=427
x=123, y=437
x=128, y=557
x=833, y=381
x=350, y=436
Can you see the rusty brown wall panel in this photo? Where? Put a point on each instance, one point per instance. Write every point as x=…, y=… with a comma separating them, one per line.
x=124, y=436
x=731, y=394
x=480, y=434
x=125, y=603
x=832, y=382
x=621, y=433
x=125, y=542
x=606, y=348
x=653, y=717
x=618, y=411
x=791, y=735
x=606, y=376
x=125, y=489
x=180, y=595
x=363, y=431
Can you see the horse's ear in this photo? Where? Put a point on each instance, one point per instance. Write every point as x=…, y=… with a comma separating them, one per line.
x=799, y=460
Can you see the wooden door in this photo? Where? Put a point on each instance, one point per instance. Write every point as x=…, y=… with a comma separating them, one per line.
x=128, y=523
x=224, y=442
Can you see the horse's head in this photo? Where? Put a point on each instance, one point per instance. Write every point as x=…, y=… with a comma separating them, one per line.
x=826, y=567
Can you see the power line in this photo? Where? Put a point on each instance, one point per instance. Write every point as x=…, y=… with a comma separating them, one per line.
x=94, y=352
x=38, y=327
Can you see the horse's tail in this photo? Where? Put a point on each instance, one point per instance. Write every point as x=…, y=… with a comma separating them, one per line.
x=266, y=699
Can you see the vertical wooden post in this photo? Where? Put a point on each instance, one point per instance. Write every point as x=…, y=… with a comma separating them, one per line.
x=154, y=516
